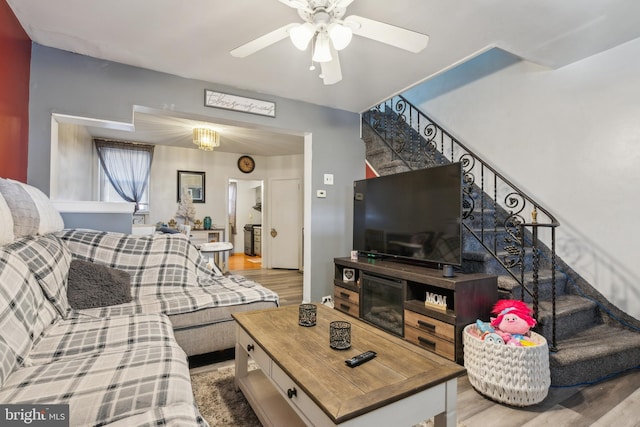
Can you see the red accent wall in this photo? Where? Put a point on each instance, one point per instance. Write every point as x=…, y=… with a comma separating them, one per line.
x=15, y=57
x=369, y=172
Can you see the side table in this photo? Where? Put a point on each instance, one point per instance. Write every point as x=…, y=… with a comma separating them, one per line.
x=213, y=249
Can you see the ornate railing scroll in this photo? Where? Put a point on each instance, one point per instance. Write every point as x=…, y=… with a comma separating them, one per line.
x=503, y=219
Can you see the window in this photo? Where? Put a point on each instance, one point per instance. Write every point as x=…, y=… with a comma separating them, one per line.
x=109, y=194
x=124, y=172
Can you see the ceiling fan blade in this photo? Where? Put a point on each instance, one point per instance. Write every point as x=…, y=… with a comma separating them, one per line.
x=297, y=4
x=263, y=41
x=388, y=34
x=331, y=72
x=337, y=4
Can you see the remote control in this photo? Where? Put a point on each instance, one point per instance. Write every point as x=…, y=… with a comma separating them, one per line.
x=360, y=359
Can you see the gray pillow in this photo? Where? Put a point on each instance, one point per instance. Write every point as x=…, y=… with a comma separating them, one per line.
x=94, y=285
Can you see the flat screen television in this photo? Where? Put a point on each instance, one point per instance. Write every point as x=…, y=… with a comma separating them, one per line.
x=413, y=216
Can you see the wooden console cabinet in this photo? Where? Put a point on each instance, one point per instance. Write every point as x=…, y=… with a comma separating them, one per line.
x=468, y=297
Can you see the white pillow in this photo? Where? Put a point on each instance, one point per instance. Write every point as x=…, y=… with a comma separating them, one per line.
x=31, y=210
x=6, y=222
x=50, y=219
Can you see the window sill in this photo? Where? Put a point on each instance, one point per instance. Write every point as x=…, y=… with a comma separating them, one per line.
x=92, y=206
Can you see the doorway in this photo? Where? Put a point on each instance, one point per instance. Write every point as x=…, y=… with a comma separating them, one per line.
x=245, y=221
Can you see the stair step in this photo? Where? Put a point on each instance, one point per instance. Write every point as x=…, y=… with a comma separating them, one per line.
x=480, y=261
x=377, y=151
x=509, y=285
x=489, y=236
x=395, y=166
x=594, y=354
x=573, y=315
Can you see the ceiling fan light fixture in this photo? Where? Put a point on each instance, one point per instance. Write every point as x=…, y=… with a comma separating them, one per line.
x=340, y=35
x=322, y=50
x=301, y=35
x=206, y=139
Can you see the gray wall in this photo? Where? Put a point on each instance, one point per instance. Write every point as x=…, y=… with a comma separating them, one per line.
x=120, y=223
x=66, y=83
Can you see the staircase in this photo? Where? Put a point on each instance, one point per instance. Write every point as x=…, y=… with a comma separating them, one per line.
x=507, y=233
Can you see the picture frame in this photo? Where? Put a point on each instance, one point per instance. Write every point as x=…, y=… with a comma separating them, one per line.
x=193, y=183
x=348, y=275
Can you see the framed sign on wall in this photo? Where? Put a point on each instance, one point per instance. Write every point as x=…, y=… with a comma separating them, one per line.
x=239, y=103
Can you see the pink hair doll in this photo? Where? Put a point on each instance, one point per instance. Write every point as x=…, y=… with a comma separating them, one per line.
x=513, y=321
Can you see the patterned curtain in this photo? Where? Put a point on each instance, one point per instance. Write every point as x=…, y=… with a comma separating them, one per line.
x=127, y=167
x=233, y=195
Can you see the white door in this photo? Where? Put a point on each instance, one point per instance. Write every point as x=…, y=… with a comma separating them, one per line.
x=285, y=234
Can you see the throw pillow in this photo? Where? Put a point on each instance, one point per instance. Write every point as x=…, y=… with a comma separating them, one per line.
x=48, y=259
x=31, y=210
x=6, y=222
x=23, y=209
x=95, y=285
x=50, y=219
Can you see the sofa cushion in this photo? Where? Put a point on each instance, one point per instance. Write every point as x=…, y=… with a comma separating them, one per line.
x=8, y=360
x=178, y=415
x=31, y=210
x=87, y=335
x=108, y=386
x=21, y=302
x=168, y=275
x=94, y=285
x=6, y=222
x=48, y=258
x=158, y=263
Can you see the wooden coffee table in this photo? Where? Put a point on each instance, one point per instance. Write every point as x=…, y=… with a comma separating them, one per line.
x=303, y=381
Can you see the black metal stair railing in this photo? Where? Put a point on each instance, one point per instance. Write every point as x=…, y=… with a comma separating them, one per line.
x=492, y=205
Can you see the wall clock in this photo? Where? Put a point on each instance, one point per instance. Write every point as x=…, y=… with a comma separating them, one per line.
x=246, y=164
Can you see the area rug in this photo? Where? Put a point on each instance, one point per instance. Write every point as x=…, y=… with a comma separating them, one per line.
x=221, y=405
x=219, y=402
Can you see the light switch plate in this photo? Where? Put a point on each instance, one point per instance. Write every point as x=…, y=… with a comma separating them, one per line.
x=328, y=179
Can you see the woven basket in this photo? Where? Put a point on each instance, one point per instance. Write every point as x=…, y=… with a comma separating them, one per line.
x=517, y=376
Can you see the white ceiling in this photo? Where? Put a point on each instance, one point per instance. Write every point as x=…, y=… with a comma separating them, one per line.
x=193, y=38
x=156, y=127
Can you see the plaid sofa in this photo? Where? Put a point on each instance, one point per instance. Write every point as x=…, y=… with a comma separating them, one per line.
x=121, y=365
x=123, y=369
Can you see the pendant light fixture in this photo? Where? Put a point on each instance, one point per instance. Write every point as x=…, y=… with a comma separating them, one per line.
x=206, y=139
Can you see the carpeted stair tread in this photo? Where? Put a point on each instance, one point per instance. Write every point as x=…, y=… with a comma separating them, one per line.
x=594, y=342
x=544, y=276
x=566, y=305
x=573, y=314
x=593, y=354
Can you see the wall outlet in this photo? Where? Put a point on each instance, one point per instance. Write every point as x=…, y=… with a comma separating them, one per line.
x=321, y=193
x=328, y=301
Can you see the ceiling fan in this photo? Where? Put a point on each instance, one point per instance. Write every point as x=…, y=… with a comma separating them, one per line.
x=327, y=32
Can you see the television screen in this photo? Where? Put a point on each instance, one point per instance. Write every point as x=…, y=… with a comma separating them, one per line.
x=412, y=215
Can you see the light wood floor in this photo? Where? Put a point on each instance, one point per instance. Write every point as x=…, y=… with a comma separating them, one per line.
x=243, y=262
x=286, y=283
x=615, y=402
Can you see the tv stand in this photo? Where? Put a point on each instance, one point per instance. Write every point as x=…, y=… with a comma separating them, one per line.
x=435, y=327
